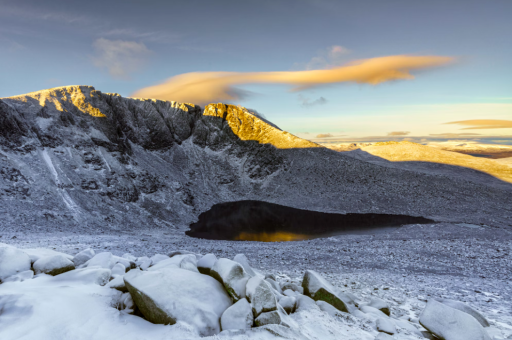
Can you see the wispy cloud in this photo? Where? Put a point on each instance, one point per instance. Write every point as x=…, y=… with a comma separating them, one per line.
x=484, y=124
x=307, y=102
x=208, y=87
x=324, y=135
x=399, y=133
x=120, y=58
x=330, y=57
x=150, y=36
x=453, y=134
x=33, y=13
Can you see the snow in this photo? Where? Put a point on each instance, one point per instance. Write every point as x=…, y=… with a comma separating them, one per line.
x=237, y=316
x=232, y=275
x=12, y=262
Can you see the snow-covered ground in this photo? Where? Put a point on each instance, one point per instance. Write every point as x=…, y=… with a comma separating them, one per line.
x=464, y=262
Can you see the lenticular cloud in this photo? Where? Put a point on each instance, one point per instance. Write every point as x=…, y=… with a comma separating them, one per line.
x=206, y=87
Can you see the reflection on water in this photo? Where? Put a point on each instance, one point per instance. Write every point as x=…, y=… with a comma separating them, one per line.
x=271, y=237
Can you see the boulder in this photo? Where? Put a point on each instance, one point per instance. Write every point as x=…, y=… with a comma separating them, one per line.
x=129, y=257
x=371, y=310
x=170, y=295
x=325, y=307
x=276, y=317
x=141, y=260
x=238, y=316
x=466, y=309
x=83, y=256
x=292, y=286
x=146, y=264
x=451, y=324
x=117, y=283
x=98, y=276
x=157, y=258
x=118, y=270
x=316, y=287
x=386, y=326
x=288, y=303
x=53, y=265
x=37, y=253
x=103, y=260
x=12, y=262
x=205, y=264
x=290, y=292
x=20, y=277
x=125, y=262
x=271, y=276
x=187, y=262
x=408, y=327
x=232, y=275
x=244, y=262
x=274, y=285
x=305, y=303
x=381, y=305
x=260, y=296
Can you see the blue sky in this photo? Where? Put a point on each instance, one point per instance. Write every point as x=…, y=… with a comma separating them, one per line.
x=56, y=43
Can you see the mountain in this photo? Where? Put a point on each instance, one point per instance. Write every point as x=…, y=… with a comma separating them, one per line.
x=74, y=157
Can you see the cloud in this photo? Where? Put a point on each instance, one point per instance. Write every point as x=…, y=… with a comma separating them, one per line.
x=306, y=102
x=119, y=57
x=206, y=87
x=324, y=135
x=399, y=133
x=328, y=58
x=152, y=36
x=453, y=134
x=484, y=124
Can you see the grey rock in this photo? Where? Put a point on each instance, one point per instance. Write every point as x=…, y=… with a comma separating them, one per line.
x=12, y=262
x=237, y=316
x=83, y=256
x=175, y=294
x=205, y=264
x=187, y=262
x=316, y=287
x=53, y=265
x=288, y=303
x=118, y=283
x=466, y=309
x=260, y=296
x=232, y=275
x=385, y=326
x=451, y=324
x=381, y=305
x=242, y=259
x=276, y=317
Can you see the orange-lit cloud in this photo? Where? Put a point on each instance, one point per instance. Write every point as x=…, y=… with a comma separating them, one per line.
x=324, y=135
x=484, y=124
x=206, y=87
x=399, y=133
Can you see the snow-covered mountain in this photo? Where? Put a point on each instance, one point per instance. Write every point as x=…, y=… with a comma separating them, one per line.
x=76, y=157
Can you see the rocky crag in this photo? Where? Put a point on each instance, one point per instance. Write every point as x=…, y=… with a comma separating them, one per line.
x=73, y=157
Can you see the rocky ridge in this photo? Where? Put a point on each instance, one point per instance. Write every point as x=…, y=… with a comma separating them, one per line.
x=78, y=159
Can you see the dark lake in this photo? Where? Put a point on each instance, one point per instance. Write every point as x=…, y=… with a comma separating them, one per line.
x=269, y=222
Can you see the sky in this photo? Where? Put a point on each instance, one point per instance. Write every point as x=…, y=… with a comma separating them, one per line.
x=132, y=47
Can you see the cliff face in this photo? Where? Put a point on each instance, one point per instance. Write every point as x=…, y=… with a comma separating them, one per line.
x=76, y=157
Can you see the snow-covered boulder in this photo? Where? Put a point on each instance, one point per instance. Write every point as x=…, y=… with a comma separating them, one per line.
x=118, y=270
x=12, y=262
x=129, y=257
x=238, y=316
x=125, y=262
x=83, y=256
x=384, y=336
x=316, y=287
x=117, y=283
x=232, y=275
x=20, y=277
x=288, y=303
x=102, y=260
x=305, y=303
x=373, y=311
x=466, y=309
x=276, y=317
x=174, y=294
x=260, y=296
x=53, y=265
x=244, y=262
x=274, y=285
x=205, y=264
x=292, y=286
x=381, y=305
x=37, y=253
x=386, y=326
x=408, y=327
x=188, y=262
x=158, y=258
x=325, y=307
x=451, y=324
x=96, y=275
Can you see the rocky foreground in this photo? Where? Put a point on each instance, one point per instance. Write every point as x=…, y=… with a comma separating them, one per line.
x=47, y=294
